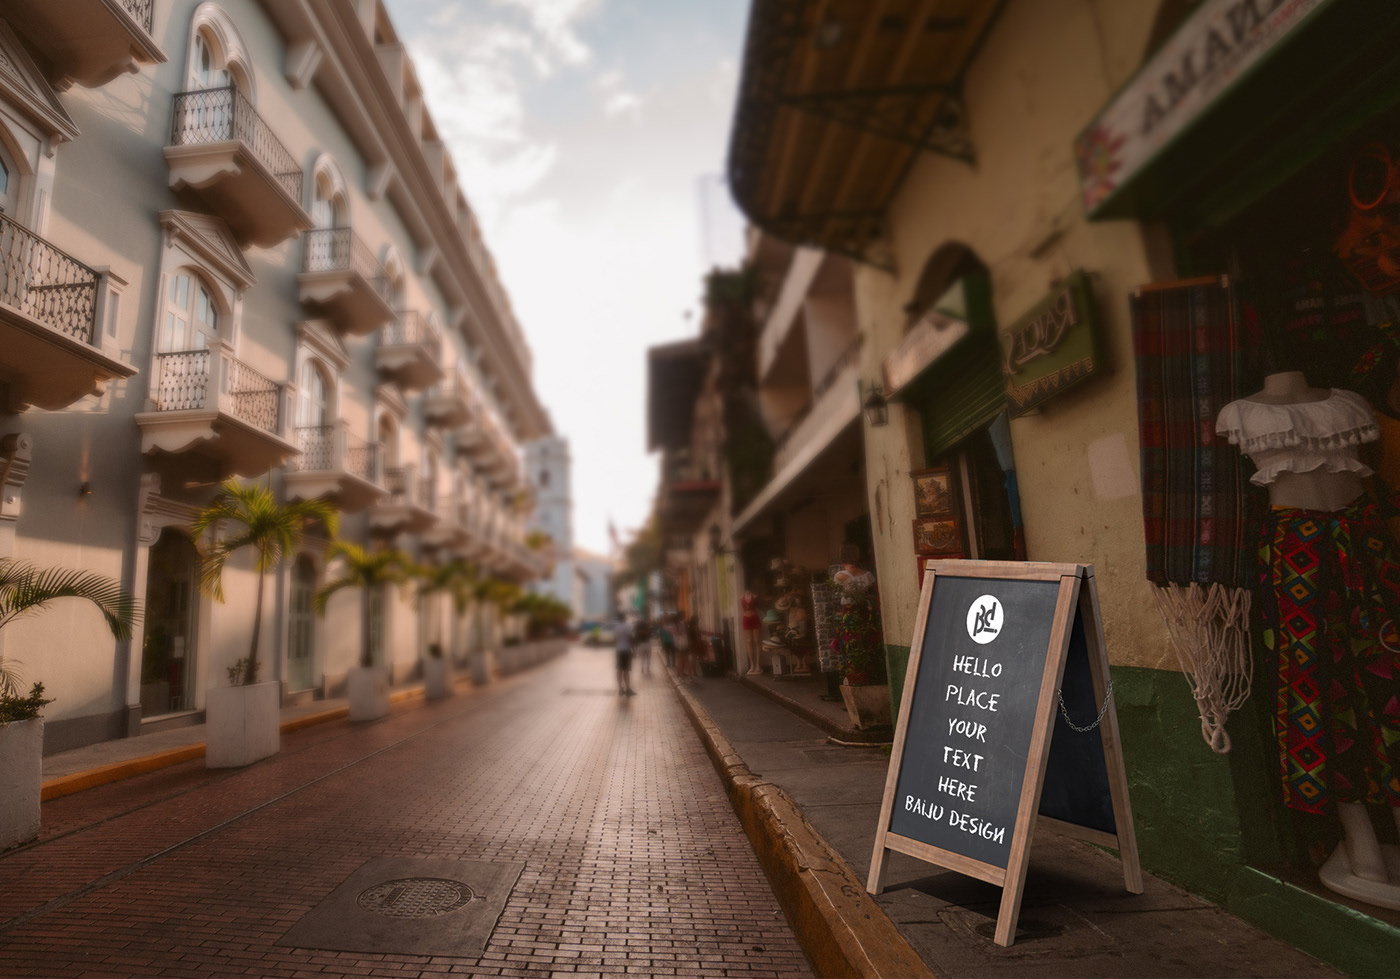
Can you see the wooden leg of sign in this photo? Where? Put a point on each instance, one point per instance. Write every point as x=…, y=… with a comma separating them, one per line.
x=875, y=883
x=1112, y=746
x=1018, y=860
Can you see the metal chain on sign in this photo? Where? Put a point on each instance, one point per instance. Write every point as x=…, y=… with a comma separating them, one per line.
x=1102, y=710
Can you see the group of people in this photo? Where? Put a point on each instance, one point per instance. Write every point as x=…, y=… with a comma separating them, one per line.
x=679, y=640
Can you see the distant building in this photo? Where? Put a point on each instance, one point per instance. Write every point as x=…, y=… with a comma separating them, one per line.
x=547, y=467
x=594, y=574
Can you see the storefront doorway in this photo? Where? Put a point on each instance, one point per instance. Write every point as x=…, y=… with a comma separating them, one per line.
x=169, y=653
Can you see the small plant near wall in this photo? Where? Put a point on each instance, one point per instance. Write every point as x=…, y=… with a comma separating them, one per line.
x=26, y=590
x=362, y=569
x=17, y=708
x=239, y=672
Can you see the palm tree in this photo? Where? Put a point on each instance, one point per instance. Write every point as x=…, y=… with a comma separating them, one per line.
x=273, y=530
x=26, y=590
x=363, y=569
x=456, y=578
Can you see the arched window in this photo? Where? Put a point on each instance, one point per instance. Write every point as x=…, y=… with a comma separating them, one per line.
x=948, y=263
x=7, y=182
x=189, y=317
x=393, y=278
x=328, y=205
x=312, y=396
x=389, y=441
x=210, y=68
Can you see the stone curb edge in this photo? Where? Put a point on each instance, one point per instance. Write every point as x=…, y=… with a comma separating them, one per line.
x=62, y=785
x=842, y=929
x=817, y=718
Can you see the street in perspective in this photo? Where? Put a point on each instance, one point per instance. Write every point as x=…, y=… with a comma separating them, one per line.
x=882, y=488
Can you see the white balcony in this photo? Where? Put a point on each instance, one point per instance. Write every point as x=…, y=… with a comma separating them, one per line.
x=409, y=506
x=223, y=150
x=208, y=403
x=409, y=352
x=451, y=404
x=50, y=345
x=336, y=465
x=341, y=280
x=89, y=41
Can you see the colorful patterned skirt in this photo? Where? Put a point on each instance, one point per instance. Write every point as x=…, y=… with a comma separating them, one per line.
x=1330, y=598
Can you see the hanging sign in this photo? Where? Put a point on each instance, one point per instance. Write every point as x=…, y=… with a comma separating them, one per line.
x=1052, y=347
x=1006, y=724
x=1218, y=44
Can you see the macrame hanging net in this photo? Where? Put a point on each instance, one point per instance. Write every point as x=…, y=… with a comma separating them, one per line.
x=1189, y=343
x=1209, y=629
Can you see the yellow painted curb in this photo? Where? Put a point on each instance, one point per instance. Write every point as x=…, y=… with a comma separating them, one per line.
x=842, y=929
x=56, y=788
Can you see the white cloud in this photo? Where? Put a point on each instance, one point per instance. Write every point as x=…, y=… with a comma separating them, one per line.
x=617, y=100
x=555, y=20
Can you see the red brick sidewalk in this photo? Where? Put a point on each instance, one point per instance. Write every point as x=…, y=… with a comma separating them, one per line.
x=634, y=862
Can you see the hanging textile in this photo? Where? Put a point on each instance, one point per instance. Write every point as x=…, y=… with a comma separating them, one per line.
x=1200, y=563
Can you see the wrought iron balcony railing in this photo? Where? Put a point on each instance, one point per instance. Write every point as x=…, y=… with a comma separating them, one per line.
x=412, y=327
x=46, y=284
x=188, y=380
x=341, y=250
x=141, y=11
x=334, y=448
x=217, y=115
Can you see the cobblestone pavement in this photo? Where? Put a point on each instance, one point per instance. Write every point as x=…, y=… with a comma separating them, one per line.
x=634, y=862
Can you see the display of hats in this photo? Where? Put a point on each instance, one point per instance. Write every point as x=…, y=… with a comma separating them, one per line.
x=771, y=617
x=783, y=603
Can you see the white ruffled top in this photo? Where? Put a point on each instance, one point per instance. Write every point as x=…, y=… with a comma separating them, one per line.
x=1298, y=438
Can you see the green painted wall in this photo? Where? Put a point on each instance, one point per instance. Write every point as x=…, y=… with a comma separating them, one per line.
x=1207, y=821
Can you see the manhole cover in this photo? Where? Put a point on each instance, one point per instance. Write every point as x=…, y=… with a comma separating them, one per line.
x=415, y=897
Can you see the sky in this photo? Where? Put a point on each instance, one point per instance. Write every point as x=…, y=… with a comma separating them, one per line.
x=582, y=132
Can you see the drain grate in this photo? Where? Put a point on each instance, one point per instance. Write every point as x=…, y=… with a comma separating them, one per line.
x=415, y=897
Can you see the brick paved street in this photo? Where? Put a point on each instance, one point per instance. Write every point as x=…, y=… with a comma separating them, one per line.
x=633, y=860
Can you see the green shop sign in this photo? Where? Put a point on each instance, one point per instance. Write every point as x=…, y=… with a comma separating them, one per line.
x=1052, y=347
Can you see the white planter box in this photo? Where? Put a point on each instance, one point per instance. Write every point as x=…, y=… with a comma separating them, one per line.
x=368, y=690
x=21, y=772
x=242, y=724
x=437, y=678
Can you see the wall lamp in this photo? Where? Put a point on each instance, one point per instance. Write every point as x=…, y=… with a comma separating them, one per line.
x=876, y=408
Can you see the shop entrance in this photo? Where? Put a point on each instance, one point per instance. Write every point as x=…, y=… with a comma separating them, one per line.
x=168, y=652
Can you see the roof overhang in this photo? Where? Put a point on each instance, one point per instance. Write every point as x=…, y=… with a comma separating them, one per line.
x=836, y=100
x=675, y=372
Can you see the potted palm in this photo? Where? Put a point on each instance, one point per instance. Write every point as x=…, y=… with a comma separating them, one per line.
x=455, y=579
x=26, y=590
x=243, y=721
x=367, y=683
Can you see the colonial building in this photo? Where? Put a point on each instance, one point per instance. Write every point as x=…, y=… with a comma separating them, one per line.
x=233, y=244
x=1061, y=236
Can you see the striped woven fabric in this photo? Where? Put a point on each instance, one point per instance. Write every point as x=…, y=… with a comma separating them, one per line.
x=1196, y=510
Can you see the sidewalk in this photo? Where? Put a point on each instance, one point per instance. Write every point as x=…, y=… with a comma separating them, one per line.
x=1076, y=919
x=66, y=772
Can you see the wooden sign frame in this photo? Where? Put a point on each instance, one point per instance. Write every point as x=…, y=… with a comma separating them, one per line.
x=1077, y=598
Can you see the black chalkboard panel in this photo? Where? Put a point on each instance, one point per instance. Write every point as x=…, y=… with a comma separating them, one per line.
x=972, y=716
x=981, y=744
x=1076, y=788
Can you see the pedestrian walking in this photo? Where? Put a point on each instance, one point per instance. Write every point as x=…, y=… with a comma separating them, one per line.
x=668, y=644
x=623, y=641
x=641, y=643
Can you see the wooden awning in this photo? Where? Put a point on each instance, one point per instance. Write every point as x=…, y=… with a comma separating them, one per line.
x=836, y=99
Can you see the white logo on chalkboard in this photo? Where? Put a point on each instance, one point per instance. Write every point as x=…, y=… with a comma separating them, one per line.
x=985, y=619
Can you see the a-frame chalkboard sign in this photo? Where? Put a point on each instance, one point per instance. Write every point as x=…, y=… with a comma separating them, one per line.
x=1005, y=656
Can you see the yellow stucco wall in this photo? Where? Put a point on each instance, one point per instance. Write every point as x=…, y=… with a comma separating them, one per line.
x=1044, y=70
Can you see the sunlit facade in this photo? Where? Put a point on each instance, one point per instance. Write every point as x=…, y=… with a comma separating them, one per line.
x=233, y=244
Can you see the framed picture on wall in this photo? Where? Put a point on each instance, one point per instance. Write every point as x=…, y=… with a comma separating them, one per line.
x=938, y=536
x=933, y=493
